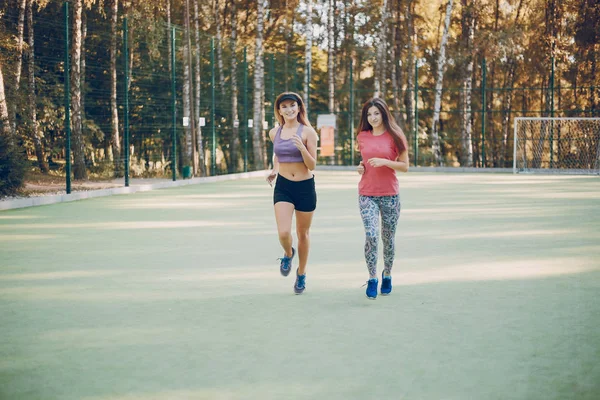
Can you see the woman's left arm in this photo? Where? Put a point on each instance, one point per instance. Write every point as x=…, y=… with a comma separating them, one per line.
x=401, y=163
x=308, y=151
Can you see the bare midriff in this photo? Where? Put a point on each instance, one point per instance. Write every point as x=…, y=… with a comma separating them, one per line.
x=295, y=171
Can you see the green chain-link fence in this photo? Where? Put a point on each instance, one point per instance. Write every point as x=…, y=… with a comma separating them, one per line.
x=141, y=131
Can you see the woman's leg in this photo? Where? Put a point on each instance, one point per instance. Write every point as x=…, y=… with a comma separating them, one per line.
x=303, y=222
x=283, y=216
x=390, y=213
x=369, y=212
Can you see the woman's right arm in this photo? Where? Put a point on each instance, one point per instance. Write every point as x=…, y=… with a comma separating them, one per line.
x=360, y=168
x=273, y=174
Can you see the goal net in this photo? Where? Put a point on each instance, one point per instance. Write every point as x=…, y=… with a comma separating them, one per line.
x=557, y=145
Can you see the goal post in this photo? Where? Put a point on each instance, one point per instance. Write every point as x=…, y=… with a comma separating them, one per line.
x=557, y=145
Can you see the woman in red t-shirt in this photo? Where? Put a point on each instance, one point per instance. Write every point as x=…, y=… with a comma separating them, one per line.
x=384, y=151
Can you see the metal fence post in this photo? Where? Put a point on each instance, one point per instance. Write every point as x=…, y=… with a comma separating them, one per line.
x=351, y=112
x=213, y=116
x=245, y=111
x=126, y=102
x=552, y=113
x=67, y=101
x=416, y=124
x=174, y=104
x=483, y=109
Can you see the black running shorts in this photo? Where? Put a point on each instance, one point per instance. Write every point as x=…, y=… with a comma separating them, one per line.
x=301, y=194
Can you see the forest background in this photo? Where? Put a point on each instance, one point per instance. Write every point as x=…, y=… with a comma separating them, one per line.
x=152, y=84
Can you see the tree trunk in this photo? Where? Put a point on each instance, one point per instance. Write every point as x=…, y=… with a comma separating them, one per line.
x=129, y=11
x=593, y=72
x=13, y=88
x=171, y=50
x=219, y=44
x=409, y=96
x=287, y=47
x=83, y=60
x=188, y=157
x=330, y=56
x=115, y=137
x=34, y=130
x=79, y=171
x=468, y=33
x=4, y=121
x=199, y=140
x=508, y=97
x=308, y=54
x=491, y=152
x=441, y=64
x=257, y=135
x=234, y=164
x=394, y=75
x=395, y=60
x=381, y=53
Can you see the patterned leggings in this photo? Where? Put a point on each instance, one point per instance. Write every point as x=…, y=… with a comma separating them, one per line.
x=370, y=208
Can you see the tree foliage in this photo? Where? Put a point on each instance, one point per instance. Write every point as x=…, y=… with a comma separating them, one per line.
x=519, y=40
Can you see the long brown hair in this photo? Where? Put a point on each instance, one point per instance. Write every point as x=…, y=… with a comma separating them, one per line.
x=302, y=118
x=388, y=122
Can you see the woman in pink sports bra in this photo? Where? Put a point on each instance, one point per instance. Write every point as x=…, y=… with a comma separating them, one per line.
x=294, y=158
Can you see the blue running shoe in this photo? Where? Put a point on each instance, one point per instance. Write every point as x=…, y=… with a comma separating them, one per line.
x=286, y=263
x=386, y=284
x=372, y=288
x=300, y=284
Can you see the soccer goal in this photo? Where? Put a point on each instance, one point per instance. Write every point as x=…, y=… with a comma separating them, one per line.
x=557, y=145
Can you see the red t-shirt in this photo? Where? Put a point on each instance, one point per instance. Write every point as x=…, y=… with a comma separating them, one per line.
x=377, y=181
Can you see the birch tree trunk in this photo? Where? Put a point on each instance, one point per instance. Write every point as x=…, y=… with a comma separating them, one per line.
x=267, y=163
x=468, y=33
x=235, y=137
x=219, y=40
x=381, y=52
x=394, y=75
x=199, y=139
x=187, y=143
x=4, y=121
x=13, y=89
x=409, y=96
x=330, y=56
x=441, y=64
x=115, y=137
x=83, y=59
x=593, y=71
x=395, y=56
x=79, y=171
x=508, y=97
x=308, y=54
x=168, y=7
x=34, y=129
x=129, y=12
x=257, y=135
x=187, y=158
x=287, y=48
x=338, y=33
